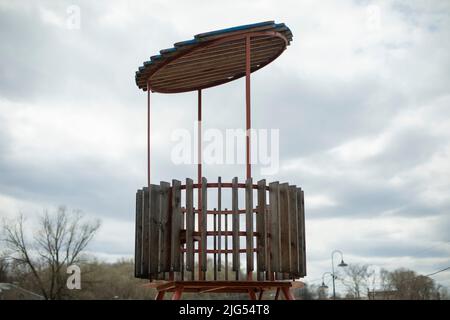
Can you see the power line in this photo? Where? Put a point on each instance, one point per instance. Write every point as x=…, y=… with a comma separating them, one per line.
x=427, y=275
x=444, y=242
x=432, y=274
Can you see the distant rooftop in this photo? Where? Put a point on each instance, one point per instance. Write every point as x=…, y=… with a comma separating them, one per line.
x=10, y=291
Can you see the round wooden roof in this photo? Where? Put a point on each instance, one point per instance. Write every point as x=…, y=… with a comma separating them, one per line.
x=213, y=58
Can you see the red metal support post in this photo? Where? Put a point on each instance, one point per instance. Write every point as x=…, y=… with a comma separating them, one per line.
x=148, y=134
x=178, y=292
x=261, y=294
x=277, y=294
x=247, y=104
x=287, y=294
x=199, y=178
x=248, y=115
x=160, y=295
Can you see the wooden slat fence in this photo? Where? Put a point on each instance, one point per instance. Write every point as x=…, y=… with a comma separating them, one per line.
x=166, y=238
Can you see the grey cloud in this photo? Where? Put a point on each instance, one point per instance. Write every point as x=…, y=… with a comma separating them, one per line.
x=48, y=65
x=391, y=249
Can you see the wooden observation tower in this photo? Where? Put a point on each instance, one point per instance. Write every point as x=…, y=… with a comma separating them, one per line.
x=180, y=233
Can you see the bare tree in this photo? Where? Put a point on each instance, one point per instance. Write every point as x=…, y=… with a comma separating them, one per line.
x=4, y=266
x=442, y=293
x=409, y=285
x=358, y=279
x=406, y=284
x=385, y=283
x=57, y=243
x=309, y=292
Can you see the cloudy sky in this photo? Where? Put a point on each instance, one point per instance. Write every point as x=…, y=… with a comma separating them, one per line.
x=361, y=98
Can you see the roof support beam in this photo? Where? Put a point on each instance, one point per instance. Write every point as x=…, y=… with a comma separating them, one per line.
x=199, y=179
x=247, y=104
x=248, y=120
x=148, y=133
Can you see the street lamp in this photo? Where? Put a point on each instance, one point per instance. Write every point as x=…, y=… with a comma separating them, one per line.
x=324, y=286
x=342, y=264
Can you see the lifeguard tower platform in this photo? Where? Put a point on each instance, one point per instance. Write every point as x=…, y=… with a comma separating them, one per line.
x=181, y=234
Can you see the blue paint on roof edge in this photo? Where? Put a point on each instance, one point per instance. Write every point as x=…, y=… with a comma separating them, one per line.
x=185, y=43
x=232, y=29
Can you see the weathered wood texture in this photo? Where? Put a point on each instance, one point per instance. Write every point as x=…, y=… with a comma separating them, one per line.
x=261, y=254
x=284, y=228
x=235, y=227
x=274, y=194
x=166, y=227
x=166, y=235
x=190, y=225
x=176, y=226
x=138, y=234
x=145, y=235
x=249, y=223
x=154, y=229
x=204, y=224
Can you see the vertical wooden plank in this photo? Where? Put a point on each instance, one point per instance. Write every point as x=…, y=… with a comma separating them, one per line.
x=204, y=224
x=235, y=226
x=145, y=234
x=302, y=231
x=285, y=228
x=293, y=212
x=182, y=245
x=155, y=221
x=166, y=227
x=261, y=229
x=181, y=251
x=176, y=226
x=219, y=209
x=190, y=225
x=215, y=244
x=274, y=194
x=249, y=223
x=226, y=244
x=138, y=235
x=269, y=273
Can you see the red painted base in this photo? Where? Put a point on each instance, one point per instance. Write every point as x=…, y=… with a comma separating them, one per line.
x=252, y=288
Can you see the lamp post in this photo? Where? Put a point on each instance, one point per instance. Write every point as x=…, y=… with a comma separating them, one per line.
x=324, y=286
x=342, y=264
